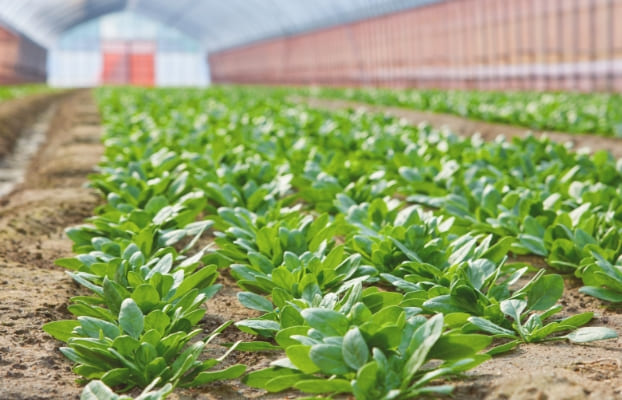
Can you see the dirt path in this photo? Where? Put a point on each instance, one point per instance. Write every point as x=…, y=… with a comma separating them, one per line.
x=467, y=127
x=33, y=290
x=17, y=114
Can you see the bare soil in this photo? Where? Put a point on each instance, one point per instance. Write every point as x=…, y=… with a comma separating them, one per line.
x=17, y=114
x=34, y=291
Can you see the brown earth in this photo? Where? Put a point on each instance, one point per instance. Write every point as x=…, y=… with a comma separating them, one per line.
x=34, y=291
x=17, y=114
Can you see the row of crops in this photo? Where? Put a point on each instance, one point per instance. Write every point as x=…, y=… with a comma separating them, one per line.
x=381, y=256
x=595, y=113
x=12, y=92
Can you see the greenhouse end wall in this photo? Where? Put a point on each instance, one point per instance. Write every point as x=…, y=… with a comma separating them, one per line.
x=21, y=60
x=464, y=44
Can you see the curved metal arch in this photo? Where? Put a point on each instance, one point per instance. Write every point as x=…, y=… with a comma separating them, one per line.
x=216, y=24
x=44, y=20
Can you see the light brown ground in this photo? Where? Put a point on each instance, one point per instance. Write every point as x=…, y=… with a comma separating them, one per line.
x=17, y=114
x=33, y=291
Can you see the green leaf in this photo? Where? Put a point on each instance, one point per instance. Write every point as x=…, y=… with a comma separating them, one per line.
x=157, y=320
x=260, y=378
x=126, y=345
x=578, y=320
x=146, y=296
x=70, y=263
x=283, y=382
x=329, y=358
x=490, y=327
x=283, y=337
x=256, y=346
x=299, y=356
x=97, y=390
x=114, y=294
x=499, y=250
x=117, y=376
x=420, y=345
x=61, y=330
x=513, y=308
x=602, y=293
x=163, y=266
x=255, y=302
x=262, y=327
x=502, y=348
x=131, y=319
x=355, y=351
x=533, y=244
x=316, y=386
x=590, y=334
x=365, y=382
x=457, y=346
x=329, y=322
x=93, y=326
x=545, y=292
x=199, y=280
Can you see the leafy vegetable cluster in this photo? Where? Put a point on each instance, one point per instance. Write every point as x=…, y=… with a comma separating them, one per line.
x=380, y=255
x=12, y=92
x=594, y=113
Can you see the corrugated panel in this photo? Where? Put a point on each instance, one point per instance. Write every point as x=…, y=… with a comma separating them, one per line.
x=483, y=44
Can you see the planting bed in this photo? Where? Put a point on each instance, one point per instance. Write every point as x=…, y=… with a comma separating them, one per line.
x=467, y=127
x=180, y=170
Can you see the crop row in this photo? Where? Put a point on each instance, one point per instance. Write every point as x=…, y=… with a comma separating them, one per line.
x=371, y=247
x=12, y=92
x=593, y=113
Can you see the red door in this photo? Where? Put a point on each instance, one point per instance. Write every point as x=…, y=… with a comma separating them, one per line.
x=128, y=63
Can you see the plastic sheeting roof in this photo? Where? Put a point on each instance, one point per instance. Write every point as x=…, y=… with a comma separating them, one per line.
x=217, y=24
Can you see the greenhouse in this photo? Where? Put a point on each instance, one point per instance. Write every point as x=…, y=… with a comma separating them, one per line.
x=328, y=199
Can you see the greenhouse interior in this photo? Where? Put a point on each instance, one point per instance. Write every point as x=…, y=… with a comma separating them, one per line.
x=321, y=200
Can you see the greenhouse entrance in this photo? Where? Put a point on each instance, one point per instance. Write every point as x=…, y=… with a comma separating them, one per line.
x=128, y=62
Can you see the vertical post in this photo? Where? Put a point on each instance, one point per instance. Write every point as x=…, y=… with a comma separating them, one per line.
x=502, y=80
x=358, y=57
x=576, y=57
x=482, y=47
x=524, y=55
x=561, y=53
x=545, y=48
x=610, y=45
x=495, y=48
x=532, y=45
x=593, y=54
x=464, y=31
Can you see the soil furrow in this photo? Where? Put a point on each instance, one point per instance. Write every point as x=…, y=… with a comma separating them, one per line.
x=33, y=291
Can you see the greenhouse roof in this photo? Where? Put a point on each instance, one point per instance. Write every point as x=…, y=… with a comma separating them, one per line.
x=217, y=24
